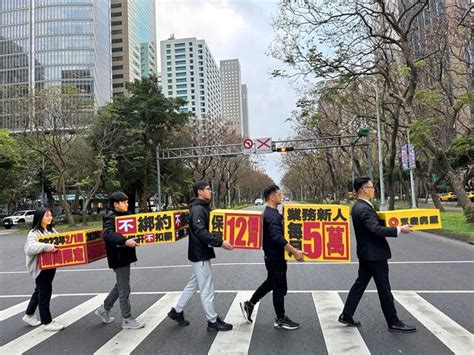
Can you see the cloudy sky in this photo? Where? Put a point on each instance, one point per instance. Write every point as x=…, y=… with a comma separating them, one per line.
x=239, y=29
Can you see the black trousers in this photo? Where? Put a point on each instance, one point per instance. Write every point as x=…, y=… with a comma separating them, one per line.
x=42, y=296
x=276, y=282
x=379, y=271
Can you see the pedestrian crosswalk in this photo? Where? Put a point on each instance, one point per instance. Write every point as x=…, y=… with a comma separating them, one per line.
x=338, y=339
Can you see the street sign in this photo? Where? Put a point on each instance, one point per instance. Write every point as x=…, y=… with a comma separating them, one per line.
x=408, y=157
x=263, y=145
x=248, y=143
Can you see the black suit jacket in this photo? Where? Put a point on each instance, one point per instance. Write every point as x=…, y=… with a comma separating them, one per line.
x=371, y=233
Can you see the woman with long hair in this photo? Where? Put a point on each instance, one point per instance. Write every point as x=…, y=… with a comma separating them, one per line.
x=42, y=225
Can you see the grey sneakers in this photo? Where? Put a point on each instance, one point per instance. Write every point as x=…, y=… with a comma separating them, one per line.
x=132, y=323
x=103, y=314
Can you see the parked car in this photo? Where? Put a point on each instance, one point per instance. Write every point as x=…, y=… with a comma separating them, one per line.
x=258, y=201
x=450, y=196
x=470, y=195
x=18, y=217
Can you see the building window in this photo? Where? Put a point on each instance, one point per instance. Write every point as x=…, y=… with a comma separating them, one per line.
x=117, y=67
x=181, y=92
x=180, y=68
x=181, y=86
x=116, y=23
x=180, y=50
x=178, y=45
x=117, y=76
x=114, y=6
x=116, y=59
x=118, y=85
x=117, y=40
x=118, y=49
x=117, y=32
x=170, y=93
x=180, y=62
x=116, y=14
x=181, y=80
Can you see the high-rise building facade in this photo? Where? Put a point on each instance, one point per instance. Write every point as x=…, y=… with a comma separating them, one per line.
x=46, y=43
x=231, y=87
x=133, y=24
x=189, y=71
x=245, y=112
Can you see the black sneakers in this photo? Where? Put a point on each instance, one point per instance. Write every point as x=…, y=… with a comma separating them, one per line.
x=247, y=309
x=348, y=320
x=178, y=317
x=285, y=323
x=218, y=326
x=401, y=327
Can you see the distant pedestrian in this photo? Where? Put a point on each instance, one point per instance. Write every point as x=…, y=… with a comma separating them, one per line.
x=200, y=252
x=373, y=252
x=120, y=254
x=42, y=226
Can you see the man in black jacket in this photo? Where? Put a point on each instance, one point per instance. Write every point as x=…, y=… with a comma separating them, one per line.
x=200, y=253
x=373, y=252
x=120, y=254
x=274, y=246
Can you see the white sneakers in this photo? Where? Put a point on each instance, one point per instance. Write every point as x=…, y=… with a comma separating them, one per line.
x=31, y=320
x=54, y=326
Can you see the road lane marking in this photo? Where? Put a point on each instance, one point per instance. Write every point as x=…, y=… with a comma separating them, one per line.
x=235, y=291
x=33, y=338
x=125, y=341
x=339, y=338
x=13, y=310
x=455, y=337
x=306, y=263
x=236, y=341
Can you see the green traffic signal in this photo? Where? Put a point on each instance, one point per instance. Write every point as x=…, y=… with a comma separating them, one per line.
x=363, y=132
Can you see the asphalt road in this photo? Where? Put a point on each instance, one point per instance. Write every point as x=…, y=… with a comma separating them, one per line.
x=432, y=278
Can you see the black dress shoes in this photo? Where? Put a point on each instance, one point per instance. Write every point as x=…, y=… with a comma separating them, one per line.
x=401, y=327
x=348, y=320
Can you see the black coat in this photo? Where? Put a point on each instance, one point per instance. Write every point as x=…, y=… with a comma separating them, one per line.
x=371, y=233
x=118, y=254
x=201, y=241
x=273, y=241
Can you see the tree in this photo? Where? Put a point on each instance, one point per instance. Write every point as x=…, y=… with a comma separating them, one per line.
x=359, y=39
x=55, y=117
x=143, y=120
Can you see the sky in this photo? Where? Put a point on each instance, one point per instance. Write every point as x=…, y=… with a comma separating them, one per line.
x=239, y=29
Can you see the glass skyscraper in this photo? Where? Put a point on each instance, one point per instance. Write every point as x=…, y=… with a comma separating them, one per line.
x=46, y=43
x=133, y=24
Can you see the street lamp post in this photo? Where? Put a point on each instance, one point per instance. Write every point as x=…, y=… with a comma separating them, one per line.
x=383, y=206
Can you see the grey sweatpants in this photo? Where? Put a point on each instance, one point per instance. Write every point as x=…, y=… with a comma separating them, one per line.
x=121, y=290
x=201, y=280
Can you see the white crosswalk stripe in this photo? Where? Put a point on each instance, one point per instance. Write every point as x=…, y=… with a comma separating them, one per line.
x=238, y=340
x=340, y=339
x=455, y=337
x=127, y=340
x=33, y=338
x=18, y=308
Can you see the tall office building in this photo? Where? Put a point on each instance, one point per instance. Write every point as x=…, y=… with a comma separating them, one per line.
x=245, y=112
x=45, y=43
x=231, y=87
x=189, y=71
x=133, y=24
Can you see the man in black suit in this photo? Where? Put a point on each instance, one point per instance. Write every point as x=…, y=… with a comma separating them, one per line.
x=373, y=252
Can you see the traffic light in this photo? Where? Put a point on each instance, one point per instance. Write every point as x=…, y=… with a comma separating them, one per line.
x=363, y=132
x=284, y=149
